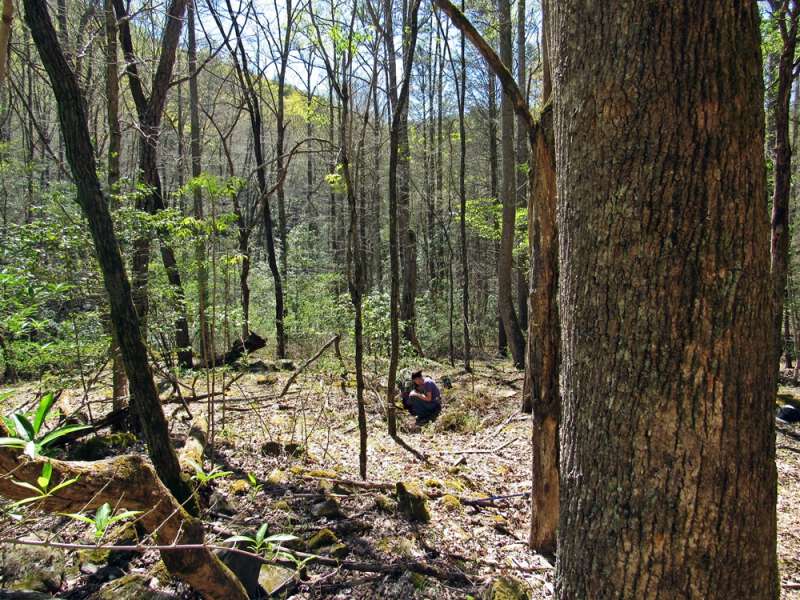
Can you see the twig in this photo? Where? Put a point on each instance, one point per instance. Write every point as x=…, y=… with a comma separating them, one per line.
x=290, y=381
x=481, y=451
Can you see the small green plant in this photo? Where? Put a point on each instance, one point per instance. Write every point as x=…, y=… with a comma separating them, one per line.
x=203, y=478
x=28, y=435
x=270, y=546
x=103, y=519
x=255, y=487
x=42, y=488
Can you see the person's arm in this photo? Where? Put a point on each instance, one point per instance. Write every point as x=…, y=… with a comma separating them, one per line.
x=427, y=396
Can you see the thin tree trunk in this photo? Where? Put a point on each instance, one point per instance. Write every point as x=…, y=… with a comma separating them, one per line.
x=516, y=340
x=6, y=20
x=206, y=351
x=787, y=14
x=668, y=453
x=522, y=279
x=150, y=111
x=462, y=196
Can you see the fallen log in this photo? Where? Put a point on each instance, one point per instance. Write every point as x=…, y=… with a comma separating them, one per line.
x=130, y=482
x=239, y=347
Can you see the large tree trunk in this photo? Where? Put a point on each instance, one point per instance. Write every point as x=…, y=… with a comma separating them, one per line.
x=6, y=20
x=80, y=154
x=667, y=449
x=505, y=260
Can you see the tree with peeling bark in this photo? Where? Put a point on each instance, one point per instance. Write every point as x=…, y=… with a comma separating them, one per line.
x=668, y=447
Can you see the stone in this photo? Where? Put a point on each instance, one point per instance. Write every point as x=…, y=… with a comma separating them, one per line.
x=338, y=551
x=324, y=537
x=277, y=477
x=9, y=595
x=328, y=508
x=412, y=502
x=274, y=578
x=33, y=568
x=267, y=380
x=385, y=504
x=240, y=487
x=130, y=587
x=450, y=503
x=507, y=587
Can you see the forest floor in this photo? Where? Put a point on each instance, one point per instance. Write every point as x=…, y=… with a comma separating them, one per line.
x=303, y=450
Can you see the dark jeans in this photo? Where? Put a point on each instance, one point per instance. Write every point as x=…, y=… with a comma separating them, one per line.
x=422, y=408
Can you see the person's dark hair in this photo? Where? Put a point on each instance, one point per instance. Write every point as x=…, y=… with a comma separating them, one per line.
x=416, y=374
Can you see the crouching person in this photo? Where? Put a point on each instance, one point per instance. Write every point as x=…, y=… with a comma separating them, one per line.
x=424, y=401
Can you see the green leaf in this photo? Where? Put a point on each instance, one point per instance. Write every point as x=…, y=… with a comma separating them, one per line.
x=43, y=481
x=239, y=538
x=63, y=484
x=78, y=517
x=12, y=441
x=123, y=515
x=45, y=404
x=61, y=431
x=262, y=531
x=27, y=486
x=23, y=427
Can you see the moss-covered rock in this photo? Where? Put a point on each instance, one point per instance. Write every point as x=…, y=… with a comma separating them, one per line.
x=450, y=503
x=103, y=446
x=328, y=508
x=35, y=568
x=412, y=502
x=277, y=477
x=282, y=505
x=385, y=504
x=240, y=487
x=324, y=537
x=274, y=578
x=130, y=587
x=508, y=588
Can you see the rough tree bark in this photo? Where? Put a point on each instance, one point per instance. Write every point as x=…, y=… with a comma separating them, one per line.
x=668, y=378
x=80, y=154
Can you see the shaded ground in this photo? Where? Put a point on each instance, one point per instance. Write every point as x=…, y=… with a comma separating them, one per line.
x=478, y=448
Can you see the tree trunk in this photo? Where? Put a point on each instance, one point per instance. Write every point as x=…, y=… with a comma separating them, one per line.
x=206, y=351
x=787, y=15
x=667, y=450
x=150, y=110
x=522, y=154
x=80, y=154
x=505, y=260
x=462, y=197
x=119, y=384
x=6, y=20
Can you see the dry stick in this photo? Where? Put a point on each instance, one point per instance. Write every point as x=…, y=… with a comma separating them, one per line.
x=481, y=451
x=290, y=381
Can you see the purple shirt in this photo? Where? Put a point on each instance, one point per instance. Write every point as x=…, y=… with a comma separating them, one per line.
x=430, y=386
